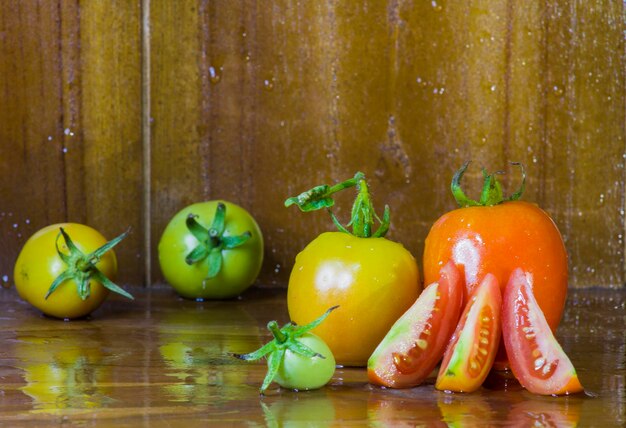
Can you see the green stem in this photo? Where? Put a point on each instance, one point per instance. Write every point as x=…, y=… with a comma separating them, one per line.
x=492, y=190
x=363, y=216
x=81, y=268
x=212, y=241
x=276, y=331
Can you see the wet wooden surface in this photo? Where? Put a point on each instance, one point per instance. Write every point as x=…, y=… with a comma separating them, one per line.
x=162, y=361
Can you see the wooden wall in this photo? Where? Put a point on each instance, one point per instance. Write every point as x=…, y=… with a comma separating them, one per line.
x=120, y=113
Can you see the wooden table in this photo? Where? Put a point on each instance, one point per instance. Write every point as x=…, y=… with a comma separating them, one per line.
x=163, y=361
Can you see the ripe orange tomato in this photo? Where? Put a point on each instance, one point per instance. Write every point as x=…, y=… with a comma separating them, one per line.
x=498, y=238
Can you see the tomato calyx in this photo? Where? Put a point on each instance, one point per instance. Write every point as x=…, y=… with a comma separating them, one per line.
x=82, y=267
x=363, y=216
x=492, y=190
x=285, y=338
x=212, y=241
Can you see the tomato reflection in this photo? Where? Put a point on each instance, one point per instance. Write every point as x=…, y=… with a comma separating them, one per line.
x=403, y=409
x=66, y=369
x=195, y=343
x=465, y=410
x=331, y=406
x=548, y=412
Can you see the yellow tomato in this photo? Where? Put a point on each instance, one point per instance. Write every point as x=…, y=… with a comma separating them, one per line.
x=373, y=280
x=39, y=264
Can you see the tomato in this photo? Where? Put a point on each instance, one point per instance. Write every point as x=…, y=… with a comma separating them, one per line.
x=497, y=239
x=296, y=358
x=473, y=346
x=303, y=373
x=536, y=358
x=67, y=280
x=211, y=250
x=415, y=343
x=372, y=279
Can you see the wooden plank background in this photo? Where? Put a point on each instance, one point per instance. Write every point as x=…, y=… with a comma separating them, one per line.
x=120, y=113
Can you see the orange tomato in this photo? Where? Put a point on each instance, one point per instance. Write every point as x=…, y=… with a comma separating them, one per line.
x=497, y=239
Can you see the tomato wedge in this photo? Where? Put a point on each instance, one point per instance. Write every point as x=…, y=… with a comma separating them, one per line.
x=416, y=342
x=537, y=360
x=474, y=344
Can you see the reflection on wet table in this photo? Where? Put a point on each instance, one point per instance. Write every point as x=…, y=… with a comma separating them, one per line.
x=162, y=360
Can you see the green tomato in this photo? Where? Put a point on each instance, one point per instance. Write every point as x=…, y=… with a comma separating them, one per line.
x=212, y=250
x=304, y=373
x=296, y=358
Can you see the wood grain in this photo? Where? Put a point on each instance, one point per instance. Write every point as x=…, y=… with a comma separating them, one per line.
x=71, y=147
x=256, y=101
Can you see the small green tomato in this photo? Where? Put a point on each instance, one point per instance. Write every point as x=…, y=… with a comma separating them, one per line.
x=301, y=372
x=296, y=358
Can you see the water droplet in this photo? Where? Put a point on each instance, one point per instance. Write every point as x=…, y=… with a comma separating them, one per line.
x=64, y=150
x=493, y=88
x=436, y=6
x=14, y=225
x=5, y=278
x=214, y=75
x=49, y=137
x=268, y=84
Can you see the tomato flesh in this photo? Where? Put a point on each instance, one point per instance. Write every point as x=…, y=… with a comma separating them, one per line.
x=537, y=360
x=415, y=343
x=473, y=346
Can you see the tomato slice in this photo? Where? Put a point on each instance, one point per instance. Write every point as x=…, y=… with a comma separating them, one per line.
x=474, y=344
x=416, y=342
x=537, y=360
